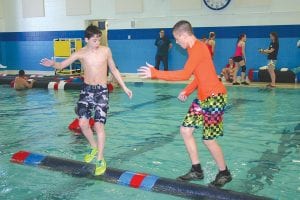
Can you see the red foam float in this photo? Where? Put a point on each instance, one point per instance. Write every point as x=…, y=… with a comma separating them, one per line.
x=74, y=126
x=110, y=87
x=19, y=157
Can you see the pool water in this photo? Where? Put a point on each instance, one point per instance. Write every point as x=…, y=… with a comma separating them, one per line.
x=261, y=142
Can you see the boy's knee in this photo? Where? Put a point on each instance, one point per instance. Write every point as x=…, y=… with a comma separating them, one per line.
x=84, y=124
x=243, y=68
x=99, y=125
x=182, y=129
x=208, y=142
x=186, y=131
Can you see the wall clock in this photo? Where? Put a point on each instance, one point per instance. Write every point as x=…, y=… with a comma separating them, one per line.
x=216, y=4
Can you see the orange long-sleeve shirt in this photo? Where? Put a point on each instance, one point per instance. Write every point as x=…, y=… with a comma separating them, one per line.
x=199, y=64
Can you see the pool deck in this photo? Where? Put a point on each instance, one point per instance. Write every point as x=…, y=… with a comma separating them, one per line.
x=133, y=77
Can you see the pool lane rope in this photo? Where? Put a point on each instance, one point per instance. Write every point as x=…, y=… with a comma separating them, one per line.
x=131, y=179
x=57, y=85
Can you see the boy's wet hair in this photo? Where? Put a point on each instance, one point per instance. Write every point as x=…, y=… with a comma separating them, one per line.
x=183, y=26
x=92, y=30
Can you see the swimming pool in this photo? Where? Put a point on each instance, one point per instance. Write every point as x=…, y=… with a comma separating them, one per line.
x=261, y=142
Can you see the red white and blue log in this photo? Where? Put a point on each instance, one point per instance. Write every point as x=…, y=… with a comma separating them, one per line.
x=131, y=179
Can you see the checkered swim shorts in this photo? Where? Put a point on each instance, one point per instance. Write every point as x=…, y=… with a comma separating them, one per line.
x=208, y=113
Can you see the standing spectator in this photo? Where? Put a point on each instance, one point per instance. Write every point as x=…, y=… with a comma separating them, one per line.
x=204, y=39
x=272, y=52
x=240, y=60
x=163, y=45
x=211, y=43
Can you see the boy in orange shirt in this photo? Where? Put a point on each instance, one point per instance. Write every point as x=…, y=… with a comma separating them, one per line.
x=206, y=110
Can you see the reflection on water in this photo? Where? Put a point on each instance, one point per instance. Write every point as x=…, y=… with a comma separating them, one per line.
x=269, y=163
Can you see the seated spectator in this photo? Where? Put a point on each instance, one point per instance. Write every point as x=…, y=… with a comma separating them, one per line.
x=228, y=71
x=22, y=82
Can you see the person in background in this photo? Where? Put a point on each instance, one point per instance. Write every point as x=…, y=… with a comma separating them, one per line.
x=240, y=60
x=228, y=71
x=207, y=109
x=204, y=38
x=272, y=53
x=94, y=94
x=163, y=45
x=211, y=43
x=22, y=82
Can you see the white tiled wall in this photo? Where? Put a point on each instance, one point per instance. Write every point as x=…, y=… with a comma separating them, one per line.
x=33, y=8
x=1, y=9
x=1, y=16
x=155, y=14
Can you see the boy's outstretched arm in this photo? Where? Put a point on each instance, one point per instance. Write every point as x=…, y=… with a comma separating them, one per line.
x=59, y=65
x=117, y=75
x=149, y=71
x=145, y=71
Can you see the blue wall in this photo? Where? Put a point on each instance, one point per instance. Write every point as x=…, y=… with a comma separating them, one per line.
x=25, y=49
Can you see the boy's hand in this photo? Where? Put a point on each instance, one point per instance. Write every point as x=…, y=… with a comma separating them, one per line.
x=261, y=51
x=182, y=96
x=128, y=92
x=47, y=62
x=145, y=71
